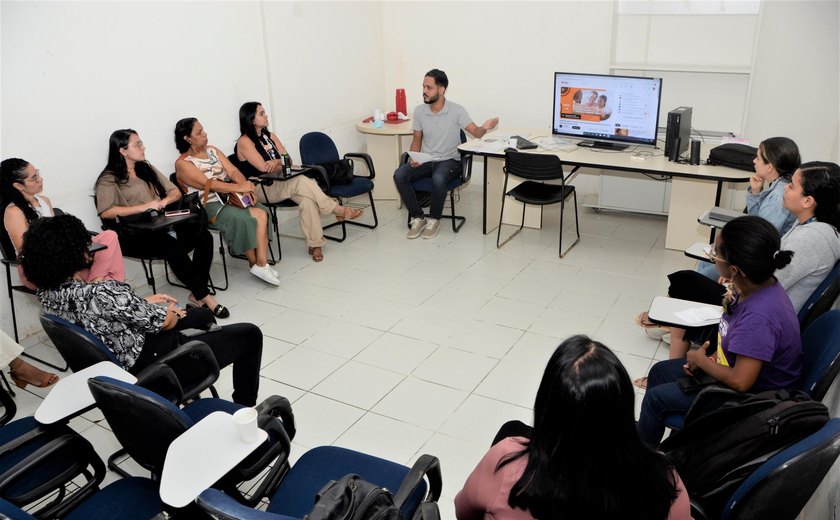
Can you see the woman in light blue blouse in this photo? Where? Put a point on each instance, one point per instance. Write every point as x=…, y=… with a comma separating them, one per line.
x=776, y=160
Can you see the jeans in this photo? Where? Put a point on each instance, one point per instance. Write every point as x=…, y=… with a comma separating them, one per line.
x=441, y=172
x=662, y=398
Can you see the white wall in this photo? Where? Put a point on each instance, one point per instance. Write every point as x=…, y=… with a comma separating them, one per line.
x=797, y=78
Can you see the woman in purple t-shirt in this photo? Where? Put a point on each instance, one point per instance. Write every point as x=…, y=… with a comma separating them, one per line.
x=759, y=347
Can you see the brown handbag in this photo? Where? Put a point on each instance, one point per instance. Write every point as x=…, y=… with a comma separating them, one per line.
x=237, y=200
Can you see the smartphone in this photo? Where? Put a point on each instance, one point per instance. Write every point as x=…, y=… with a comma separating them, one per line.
x=177, y=212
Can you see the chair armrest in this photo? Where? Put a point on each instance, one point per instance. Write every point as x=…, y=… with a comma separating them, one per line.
x=709, y=399
x=466, y=166
x=162, y=380
x=368, y=162
x=281, y=408
x=427, y=511
x=426, y=466
x=223, y=507
x=277, y=451
x=404, y=158
x=321, y=172
x=70, y=445
x=192, y=353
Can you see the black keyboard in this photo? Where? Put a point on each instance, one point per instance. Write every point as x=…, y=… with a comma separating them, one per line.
x=523, y=144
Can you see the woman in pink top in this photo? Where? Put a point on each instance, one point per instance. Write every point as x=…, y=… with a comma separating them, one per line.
x=583, y=459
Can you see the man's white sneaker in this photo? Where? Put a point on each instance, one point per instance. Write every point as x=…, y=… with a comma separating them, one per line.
x=432, y=227
x=265, y=274
x=417, y=226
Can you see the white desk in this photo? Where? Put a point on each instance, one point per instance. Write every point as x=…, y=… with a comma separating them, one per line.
x=693, y=190
x=663, y=310
x=202, y=455
x=72, y=395
x=385, y=146
x=698, y=251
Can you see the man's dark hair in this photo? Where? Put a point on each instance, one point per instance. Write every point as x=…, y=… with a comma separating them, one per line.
x=439, y=76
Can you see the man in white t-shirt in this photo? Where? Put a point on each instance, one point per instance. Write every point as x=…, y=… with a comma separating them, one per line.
x=437, y=125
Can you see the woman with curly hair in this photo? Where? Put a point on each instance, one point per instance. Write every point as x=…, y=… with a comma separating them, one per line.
x=137, y=330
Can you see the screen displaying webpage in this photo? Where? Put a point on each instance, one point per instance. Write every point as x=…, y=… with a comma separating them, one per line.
x=606, y=107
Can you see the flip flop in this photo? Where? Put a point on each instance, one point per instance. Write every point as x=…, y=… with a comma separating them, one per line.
x=640, y=383
x=653, y=330
x=349, y=214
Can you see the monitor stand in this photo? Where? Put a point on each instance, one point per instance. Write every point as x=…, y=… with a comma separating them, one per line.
x=606, y=145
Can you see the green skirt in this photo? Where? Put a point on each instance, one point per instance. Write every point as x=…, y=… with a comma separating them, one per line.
x=238, y=227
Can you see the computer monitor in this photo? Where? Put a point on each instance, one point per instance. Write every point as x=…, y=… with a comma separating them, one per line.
x=607, y=111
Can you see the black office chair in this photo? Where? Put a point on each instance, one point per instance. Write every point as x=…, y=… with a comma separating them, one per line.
x=821, y=299
x=424, y=187
x=253, y=175
x=146, y=423
x=317, y=148
x=537, y=169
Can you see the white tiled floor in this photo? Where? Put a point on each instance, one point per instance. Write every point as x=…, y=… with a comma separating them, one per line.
x=398, y=347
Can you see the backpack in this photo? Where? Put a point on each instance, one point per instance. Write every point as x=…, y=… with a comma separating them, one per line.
x=716, y=451
x=734, y=155
x=353, y=498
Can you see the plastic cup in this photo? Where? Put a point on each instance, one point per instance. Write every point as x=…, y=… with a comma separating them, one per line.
x=246, y=423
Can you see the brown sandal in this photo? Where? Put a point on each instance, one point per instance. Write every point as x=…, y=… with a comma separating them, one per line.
x=349, y=214
x=49, y=379
x=316, y=253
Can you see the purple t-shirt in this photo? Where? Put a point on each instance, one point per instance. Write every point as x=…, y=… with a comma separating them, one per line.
x=765, y=327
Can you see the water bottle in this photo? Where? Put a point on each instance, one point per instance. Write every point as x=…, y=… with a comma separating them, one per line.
x=287, y=165
x=401, y=101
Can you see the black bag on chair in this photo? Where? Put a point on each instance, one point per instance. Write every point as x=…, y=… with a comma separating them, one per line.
x=353, y=498
x=338, y=172
x=734, y=155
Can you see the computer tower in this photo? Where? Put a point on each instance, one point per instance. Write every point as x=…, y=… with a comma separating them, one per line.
x=678, y=130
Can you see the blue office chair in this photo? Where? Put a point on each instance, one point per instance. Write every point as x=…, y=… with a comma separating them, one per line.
x=318, y=148
x=820, y=367
x=821, y=299
x=424, y=186
x=38, y=461
x=296, y=494
x=782, y=485
x=536, y=170
x=145, y=424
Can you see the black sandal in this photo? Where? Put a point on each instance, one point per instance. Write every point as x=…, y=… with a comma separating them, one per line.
x=220, y=311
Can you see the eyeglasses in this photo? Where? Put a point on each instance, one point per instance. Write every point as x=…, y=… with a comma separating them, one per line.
x=714, y=256
x=34, y=178
x=137, y=144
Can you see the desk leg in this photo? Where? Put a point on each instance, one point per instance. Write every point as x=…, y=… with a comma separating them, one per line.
x=689, y=198
x=385, y=151
x=494, y=180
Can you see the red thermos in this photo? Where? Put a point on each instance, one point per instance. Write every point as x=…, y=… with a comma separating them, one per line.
x=401, y=101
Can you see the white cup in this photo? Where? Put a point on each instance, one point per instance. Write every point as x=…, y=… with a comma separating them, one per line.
x=512, y=142
x=246, y=423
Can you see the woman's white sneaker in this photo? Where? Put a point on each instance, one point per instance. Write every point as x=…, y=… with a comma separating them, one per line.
x=265, y=274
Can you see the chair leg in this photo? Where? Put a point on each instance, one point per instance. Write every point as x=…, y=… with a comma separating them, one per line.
x=6, y=384
x=150, y=278
x=343, y=223
x=276, y=232
x=12, y=301
x=521, y=225
x=577, y=224
x=461, y=220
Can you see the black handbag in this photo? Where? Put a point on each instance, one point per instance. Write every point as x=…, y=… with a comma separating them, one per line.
x=338, y=172
x=733, y=155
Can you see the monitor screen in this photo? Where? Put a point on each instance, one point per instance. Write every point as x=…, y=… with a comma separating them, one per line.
x=606, y=108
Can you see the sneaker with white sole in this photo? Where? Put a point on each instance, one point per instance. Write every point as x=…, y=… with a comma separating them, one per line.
x=432, y=227
x=265, y=274
x=417, y=226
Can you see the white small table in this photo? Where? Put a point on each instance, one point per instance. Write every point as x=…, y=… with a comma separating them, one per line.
x=664, y=311
x=71, y=394
x=699, y=251
x=202, y=455
x=385, y=145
